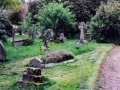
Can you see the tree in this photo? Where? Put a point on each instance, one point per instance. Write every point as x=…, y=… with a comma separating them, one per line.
x=5, y=27
x=56, y=17
x=35, y=6
x=18, y=16
x=83, y=9
x=10, y=4
x=29, y=26
x=105, y=25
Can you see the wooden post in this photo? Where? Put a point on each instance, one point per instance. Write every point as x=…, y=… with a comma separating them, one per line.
x=13, y=38
x=2, y=53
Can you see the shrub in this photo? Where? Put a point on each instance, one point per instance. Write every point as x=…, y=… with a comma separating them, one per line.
x=56, y=17
x=105, y=25
x=5, y=27
x=18, y=16
x=28, y=42
x=57, y=56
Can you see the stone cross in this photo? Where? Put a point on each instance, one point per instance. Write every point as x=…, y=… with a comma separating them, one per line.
x=2, y=53
x=82, y=27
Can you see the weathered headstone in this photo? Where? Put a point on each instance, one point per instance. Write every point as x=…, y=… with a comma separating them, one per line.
x=88, y=36
x=61, y=38
x=48, y=34
x=36, y=62
x=2, y=53
x=32, y=77
x=82, y=27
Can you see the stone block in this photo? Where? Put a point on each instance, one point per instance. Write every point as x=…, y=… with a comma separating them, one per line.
x=34, y=71
x=33, y=78
x=36, y=62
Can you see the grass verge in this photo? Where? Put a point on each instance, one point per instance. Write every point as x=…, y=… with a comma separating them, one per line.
x=20, y=52
x=78, y=75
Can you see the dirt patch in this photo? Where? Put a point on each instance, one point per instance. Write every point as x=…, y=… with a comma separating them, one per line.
x=109, y=78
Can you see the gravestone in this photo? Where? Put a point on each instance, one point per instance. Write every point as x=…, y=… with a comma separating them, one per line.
x=2, y=53
x=88, y=36
x=36, y=62
x=32, y=77
x=61, y=38
x=82, y=27
x=48, y=34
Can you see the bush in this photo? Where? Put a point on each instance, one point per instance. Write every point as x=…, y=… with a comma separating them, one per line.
x=5, y=27
x=57, y=56
x=28, y=42
x=18, y=16
x=56, y=17
x=105, y=25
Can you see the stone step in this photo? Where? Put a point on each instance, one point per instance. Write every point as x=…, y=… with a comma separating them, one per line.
x=33, y=78
x=33, y=71
x=27, y=84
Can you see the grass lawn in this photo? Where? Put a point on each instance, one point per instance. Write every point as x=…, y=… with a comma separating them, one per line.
x=78, y=75
x=20, y=52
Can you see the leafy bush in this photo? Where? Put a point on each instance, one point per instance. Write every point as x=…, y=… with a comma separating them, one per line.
x=28, y=42
x=56, y=17
x=5, y=27
x=57, y=56
x=18, y=16
x=105, y=25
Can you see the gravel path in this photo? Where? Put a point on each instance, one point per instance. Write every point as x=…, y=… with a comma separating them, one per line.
x=109, y=78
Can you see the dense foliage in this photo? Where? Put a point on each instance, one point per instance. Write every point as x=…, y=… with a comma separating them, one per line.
x=27, y=23
x=10, y=4
x=56, y=17
x=35, y=6
x=18, y=16
x=5, y=27
x=83, y=9
x=105, y=25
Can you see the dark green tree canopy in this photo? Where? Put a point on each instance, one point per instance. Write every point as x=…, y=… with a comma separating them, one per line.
x=5, y=27
x=105, y=25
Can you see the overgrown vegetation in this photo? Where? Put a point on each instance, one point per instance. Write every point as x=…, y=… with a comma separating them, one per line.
x=58, y=56
x=105, y=25
x=56, y=17
x=10, y=4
